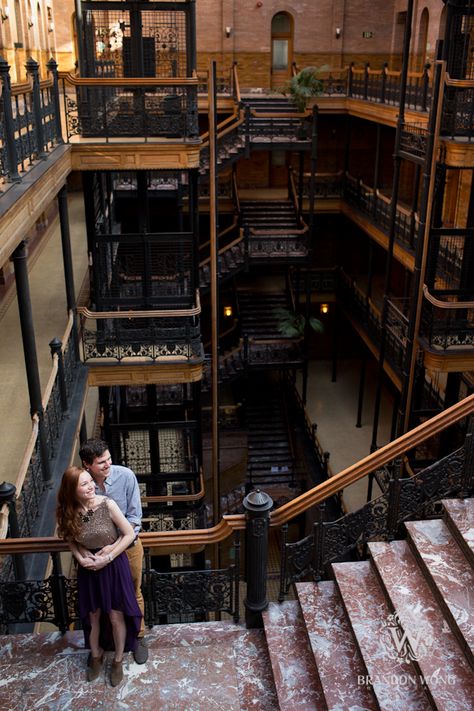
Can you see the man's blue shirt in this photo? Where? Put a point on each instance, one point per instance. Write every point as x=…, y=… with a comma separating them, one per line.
x=121, y=485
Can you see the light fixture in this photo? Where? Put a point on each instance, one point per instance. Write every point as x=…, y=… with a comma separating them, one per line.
x=4, y=13
x=324, y=308
x=227, y=311
x=338, y=32
x=228, y=31
x=50, y=26
x=31, y=21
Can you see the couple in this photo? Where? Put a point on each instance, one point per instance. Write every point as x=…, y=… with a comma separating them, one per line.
x=99, y=515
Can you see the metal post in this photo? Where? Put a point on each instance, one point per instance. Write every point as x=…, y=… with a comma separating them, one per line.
x=53, y=70
x=393, y=216
x=68, y=264
x=56, y=348
x=257, y=506
x=9, y=124
x=32, y=68
x=7, y=496
x=29, y=350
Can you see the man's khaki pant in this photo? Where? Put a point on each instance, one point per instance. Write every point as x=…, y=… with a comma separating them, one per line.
x=135, y=559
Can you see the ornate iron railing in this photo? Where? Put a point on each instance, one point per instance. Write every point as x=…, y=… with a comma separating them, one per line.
x=110, y=108
x=447, y=324
x=383, y=86
x=376, y=206
x=368, y=316
x=413, y=141
x=380, y=519
x=31, y=124
x=47, y=427
x=458, y=109
x=146, y=336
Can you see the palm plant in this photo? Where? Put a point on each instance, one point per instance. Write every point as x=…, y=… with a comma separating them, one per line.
x=293, y=325
x=303, y=86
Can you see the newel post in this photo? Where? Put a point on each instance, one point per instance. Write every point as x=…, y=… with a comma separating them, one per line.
x=32, y=69
x=8, y=496
x=257, y=507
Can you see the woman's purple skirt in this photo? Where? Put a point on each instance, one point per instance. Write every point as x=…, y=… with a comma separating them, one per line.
x=110, y=588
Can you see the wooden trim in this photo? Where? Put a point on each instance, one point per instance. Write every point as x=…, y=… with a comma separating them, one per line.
x=128, y=82
x=158, y=373
x=152, y=313
x=448, y=305
x=179, y=498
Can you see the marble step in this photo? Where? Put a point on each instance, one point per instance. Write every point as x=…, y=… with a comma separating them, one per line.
x=450, y=576
x=294, y=669
x=338, y=660
x=439, y=658
x=395, y=684
x=459, y=516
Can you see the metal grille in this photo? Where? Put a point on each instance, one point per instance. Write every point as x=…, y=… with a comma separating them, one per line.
x=135, y=43
x=147, y=269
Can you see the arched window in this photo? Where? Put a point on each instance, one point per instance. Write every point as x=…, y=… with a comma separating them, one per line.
x=421, y=50
x=282, y=48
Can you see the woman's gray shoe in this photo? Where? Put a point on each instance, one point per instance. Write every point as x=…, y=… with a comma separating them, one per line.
x=141, y=651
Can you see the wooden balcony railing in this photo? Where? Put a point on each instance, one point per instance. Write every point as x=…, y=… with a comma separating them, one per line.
x=447, y=324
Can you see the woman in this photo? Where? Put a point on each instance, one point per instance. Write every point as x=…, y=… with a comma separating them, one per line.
x=89, y=523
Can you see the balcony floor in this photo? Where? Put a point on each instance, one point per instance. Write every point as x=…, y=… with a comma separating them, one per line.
x=197, y=667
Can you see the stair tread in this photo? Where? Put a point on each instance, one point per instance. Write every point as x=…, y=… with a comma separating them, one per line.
x=337, y=659
x=293, y=665
x=460, y=519
x=369, y=614
x=440, y=658
x=436, y=546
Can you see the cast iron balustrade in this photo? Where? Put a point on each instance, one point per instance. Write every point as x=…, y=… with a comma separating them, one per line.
x=458, y=109
x=376, y=206
x=413, y=141
x=405, y=498
x=141, y=271
x=173, y=519
x=119, y=108
x=368, y=316
x=142, y=336
x=31, y=125
x=383, y=86
x=447, y=324
x=446, y=255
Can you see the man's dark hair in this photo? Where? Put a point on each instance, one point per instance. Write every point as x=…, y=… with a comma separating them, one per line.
x=91, y=449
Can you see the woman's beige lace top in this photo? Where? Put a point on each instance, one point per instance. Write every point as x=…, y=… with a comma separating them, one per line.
x=98, y=529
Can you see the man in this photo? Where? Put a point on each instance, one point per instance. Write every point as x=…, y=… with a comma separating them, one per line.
x=121, y=485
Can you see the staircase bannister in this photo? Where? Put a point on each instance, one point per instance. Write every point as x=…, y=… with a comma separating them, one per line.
x=373, y=461
x=236, y=83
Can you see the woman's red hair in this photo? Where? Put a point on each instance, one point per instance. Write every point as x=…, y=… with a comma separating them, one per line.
x=67, y=510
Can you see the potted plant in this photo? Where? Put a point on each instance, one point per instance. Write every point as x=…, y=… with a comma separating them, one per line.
x=304, y=86
x=293, y=325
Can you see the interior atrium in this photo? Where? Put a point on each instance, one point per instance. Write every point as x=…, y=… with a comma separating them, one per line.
x=237, y=244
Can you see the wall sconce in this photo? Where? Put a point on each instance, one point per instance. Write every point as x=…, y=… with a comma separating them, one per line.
x=228, y=31
x=228, y=311
x=50, y=26
x=4, y=13
x=259, y=3
x=338, y=33
x=31, y=22
x=324, y=308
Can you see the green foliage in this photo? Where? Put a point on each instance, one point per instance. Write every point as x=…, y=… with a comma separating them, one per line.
x=293, y=325
x=304, y=85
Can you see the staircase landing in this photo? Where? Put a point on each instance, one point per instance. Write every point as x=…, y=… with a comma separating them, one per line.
x=200, y=667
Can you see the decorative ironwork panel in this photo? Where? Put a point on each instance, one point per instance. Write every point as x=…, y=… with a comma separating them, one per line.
x=189, y=593
x=110, y=51
x=145, y=270
x=278, y=246
x=413, y=141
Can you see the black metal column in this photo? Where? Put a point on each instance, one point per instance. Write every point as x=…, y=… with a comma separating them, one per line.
x=257, y=507
x=7, y=496
x=67, y=263
x=19, y=259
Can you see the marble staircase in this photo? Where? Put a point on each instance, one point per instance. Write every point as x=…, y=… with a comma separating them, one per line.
x=393, y=632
